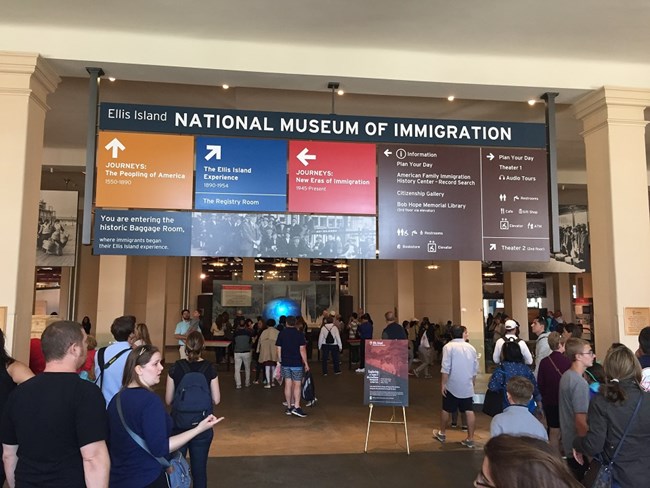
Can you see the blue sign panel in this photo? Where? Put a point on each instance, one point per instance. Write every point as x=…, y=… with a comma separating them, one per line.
x=241, y=175
x=142, y=233
x=281, y=125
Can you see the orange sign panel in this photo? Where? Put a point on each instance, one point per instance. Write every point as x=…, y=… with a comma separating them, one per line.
x=136, y=170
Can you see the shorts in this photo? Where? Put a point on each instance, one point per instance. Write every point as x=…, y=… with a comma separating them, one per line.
x=552, y=414
x=293, y=373
x=450, y=403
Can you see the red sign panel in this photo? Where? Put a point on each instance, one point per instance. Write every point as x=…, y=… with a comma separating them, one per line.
x=332, y=177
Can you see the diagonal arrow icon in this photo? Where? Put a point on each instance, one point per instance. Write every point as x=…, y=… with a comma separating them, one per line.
x=213, y=151
x=116, y=146
x=493, y=247
x=304, y=157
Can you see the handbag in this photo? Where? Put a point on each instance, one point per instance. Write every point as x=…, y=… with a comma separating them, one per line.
x=600, y=474
x=177, y=469
x=493, y=403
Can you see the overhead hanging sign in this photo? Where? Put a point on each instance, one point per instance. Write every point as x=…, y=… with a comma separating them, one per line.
x=284, y=125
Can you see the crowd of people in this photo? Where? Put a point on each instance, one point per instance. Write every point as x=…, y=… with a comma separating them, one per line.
x=557, y=405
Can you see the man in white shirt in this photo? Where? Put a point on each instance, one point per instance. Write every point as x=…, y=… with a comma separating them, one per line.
x=512, y=334
x=459, y=370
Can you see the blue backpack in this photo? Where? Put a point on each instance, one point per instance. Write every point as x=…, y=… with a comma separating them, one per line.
x=192, y=397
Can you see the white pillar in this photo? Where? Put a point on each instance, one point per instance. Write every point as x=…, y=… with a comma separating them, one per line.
x=25, y=82
x=617, y=184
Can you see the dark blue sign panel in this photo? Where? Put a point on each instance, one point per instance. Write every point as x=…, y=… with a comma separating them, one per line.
x=281, y=125
x=241, y=175
x=283, y=235
x=142, y=233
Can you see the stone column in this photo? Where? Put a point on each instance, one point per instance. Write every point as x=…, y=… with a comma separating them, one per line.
x=111, y=295
x=405, y=291
x=25, y=81
x=248, y=269
x=467, y=303
x=516, y=302
x=617, y=183
x=562, y=295
x=304, y=269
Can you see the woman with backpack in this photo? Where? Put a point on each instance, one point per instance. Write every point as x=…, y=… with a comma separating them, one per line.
x=139, y=409
x=329, y=342
x=192, y=389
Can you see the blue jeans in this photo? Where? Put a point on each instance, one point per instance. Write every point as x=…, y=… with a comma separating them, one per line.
x=325, y=352
x=199, y=448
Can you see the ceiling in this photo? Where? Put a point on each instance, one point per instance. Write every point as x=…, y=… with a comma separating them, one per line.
x=413, y=54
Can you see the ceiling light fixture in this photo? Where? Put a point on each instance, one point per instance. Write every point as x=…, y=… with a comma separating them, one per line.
x=451, y=98
x=531, y=102
x=225, y=87
x=111, y=79
x=340, y=92
x=433, y=266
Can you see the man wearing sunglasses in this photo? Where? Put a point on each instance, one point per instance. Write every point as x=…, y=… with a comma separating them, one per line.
x=574, y=400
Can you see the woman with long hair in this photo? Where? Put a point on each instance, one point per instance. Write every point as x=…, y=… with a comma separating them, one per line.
x=608, y=417
x=140, y=335
x=199, y=446
x=144, y=413
x=502, y=465
x=12, y=373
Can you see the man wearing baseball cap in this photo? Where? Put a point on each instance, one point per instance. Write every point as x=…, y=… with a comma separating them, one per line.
x=512, y=334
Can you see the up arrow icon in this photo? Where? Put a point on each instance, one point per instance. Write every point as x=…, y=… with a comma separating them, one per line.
x=116, y=146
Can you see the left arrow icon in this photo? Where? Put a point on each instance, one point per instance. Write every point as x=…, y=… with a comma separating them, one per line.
x=116, y=146
x=304, y=157
x=213, y=151
x=387, y=152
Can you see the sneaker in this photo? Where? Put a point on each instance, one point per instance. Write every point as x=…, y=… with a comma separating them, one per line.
x=468, y=443
x=439, y=437
x=256, y=382
x=285, y=404
x=238, y=387
x=248, y=385
x=311, y=403
x=416, y=373
x=298, y=412
x=324, y=374
x=428, y=377
x=288, y=411
x=268, y=386
x=339, y=372
x=464, y=428
x=360, y=370
x=454, y=426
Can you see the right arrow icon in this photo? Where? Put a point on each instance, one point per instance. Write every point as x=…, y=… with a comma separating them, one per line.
x=490, y=156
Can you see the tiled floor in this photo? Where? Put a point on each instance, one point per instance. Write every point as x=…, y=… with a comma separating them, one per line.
x=258, y=445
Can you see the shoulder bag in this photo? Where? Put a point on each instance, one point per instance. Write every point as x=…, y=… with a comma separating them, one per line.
x=599, y=474
x=178, y=469
x=493, y=402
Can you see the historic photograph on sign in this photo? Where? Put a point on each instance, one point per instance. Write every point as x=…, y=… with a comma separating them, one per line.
x=386, y=378
x=57, y=228
x=283, y=235
x=573, y=255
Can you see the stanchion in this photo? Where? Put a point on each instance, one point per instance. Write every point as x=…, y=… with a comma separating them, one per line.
x=391, y=421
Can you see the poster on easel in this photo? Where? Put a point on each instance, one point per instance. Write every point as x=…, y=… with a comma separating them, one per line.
x=386, y=378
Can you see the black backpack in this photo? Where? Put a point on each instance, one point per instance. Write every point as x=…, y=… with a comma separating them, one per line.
x=192, y=397
x=330, y=338
x=511, y=351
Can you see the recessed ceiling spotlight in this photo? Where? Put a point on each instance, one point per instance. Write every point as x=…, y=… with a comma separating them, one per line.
x=111, y=79
x=340, y=92
x=531, y=102
x=451, y=98
x=225, y=87
x=203, y=276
